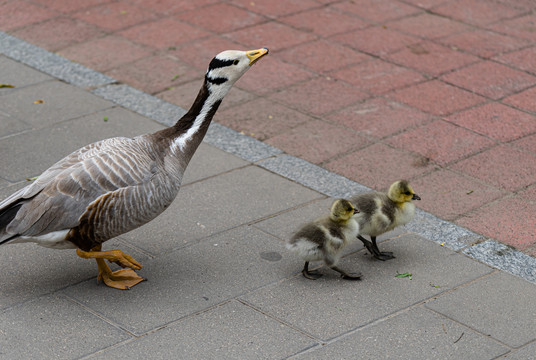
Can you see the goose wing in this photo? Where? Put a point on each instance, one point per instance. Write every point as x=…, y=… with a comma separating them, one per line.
x=111, y=173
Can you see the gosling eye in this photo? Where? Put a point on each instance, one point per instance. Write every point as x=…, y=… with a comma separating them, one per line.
x=408, y=193
x=236, y=62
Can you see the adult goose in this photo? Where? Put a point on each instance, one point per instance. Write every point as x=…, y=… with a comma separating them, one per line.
x=116, y=185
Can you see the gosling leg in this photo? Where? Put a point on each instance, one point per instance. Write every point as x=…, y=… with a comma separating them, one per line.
x=372, y=247
x=311, y=275
x=347, y=276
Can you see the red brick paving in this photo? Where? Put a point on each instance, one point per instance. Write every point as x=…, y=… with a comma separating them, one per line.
x=484, y=43
x=355, y=86
x=522, y=59
x=508, y=219
x=105, y=53
x=490, y=79
x=523, y=100
x=114, y=16
x=374, y=117
x=15, y=14
x=497, y=121
x=377, y=40
x=449, y=194
x=430, y=58
x=58, y=33
x=436, y=97
x=502, y=166
x=162, y=34
x=378, y=77
x=441, y=142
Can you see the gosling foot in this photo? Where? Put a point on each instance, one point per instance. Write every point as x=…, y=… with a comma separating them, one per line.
x=311, y=275
x=347, y=276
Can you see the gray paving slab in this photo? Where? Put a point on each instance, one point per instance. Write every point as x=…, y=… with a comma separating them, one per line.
x=53, y=327
x=229, y=331
x=60, y=102
x=217, y=204
x=14, y=73
x=30, y=271
x=331, y=307
x=491, y=305
x=241, y=145
x=189, y=280
x=142, y=103
x=416, y=334
x=524, y=353
x=32, y=152
x=11, y=125
x=210, y=161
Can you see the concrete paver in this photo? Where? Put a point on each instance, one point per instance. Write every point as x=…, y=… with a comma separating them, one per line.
x=415, y=334
x=220, y=280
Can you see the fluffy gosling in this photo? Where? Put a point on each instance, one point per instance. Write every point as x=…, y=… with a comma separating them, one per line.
x=324, y=239
x=380, y=213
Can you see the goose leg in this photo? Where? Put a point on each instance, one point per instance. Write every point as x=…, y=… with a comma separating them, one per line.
x=347, y=276
x=372, y=247
x=121, y=279
x=311, y=275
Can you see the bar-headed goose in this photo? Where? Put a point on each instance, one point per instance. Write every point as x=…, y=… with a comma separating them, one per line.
x=116, y=185
x=379, y=213
x=324, y=239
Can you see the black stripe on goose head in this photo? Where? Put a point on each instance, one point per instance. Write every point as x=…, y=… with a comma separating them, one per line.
x=218, y=63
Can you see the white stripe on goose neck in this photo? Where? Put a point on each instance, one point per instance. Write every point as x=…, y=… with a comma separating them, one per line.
x=217, y=93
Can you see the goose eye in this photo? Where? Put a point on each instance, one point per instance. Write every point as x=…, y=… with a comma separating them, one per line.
x=236, y=62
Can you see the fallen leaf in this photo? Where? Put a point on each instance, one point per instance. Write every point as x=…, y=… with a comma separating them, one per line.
x=470, y=192
x=39, y=101
x=32, y=179
x=6, y=85
x=175, y=77
x=105, y=118
x=408, y=275
x=442, y=244
x=436, y=286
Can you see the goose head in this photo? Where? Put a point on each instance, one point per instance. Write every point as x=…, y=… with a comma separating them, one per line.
x=401, y=191
x=342, y=210
x=228, y=66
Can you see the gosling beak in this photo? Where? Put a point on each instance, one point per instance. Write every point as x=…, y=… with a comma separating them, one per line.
x=255, y=55
x=356, y=210
x=416, y=197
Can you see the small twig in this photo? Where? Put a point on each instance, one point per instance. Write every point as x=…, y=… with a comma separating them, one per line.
x=443, y=325
x=459, y=338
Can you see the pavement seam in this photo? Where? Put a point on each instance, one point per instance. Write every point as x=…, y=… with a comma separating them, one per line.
x=250, y=149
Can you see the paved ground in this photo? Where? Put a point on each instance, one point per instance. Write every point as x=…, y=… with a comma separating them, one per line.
x=221, y=284
x=437, y=91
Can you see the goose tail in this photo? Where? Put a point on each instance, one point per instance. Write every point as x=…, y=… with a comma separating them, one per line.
x=6, y=216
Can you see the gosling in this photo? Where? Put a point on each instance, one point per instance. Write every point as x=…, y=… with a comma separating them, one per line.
x=380, y=213
x=324, y=239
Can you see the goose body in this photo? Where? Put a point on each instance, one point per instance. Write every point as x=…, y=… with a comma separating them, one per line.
x=116, y=185
x=383, y=212
x=324, y=239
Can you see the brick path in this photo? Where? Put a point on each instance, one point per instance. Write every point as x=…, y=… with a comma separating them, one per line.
x=440, y=92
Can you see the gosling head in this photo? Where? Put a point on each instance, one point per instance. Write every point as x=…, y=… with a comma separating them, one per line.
x=228, y=66
x=401, y=191
x=342, y=210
